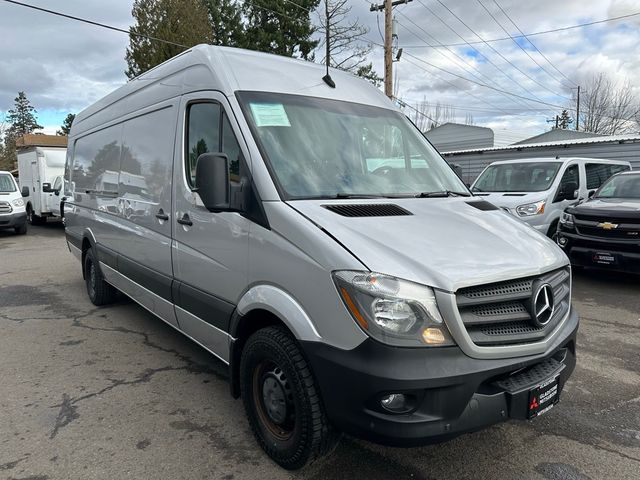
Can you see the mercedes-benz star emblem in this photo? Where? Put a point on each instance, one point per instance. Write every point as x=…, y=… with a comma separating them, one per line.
x=542, y=305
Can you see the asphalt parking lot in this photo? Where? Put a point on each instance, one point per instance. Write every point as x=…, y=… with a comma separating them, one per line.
x=100, y=393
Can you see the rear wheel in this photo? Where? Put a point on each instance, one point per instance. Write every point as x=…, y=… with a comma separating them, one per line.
x=34, y=219
x=282, y=400
x=21, y=230
x=99, y=291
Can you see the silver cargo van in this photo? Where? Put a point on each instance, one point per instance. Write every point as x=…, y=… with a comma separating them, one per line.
x=310, y=237
x=537, y=190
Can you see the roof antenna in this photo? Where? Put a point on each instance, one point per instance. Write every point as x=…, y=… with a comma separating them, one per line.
x=327, y=78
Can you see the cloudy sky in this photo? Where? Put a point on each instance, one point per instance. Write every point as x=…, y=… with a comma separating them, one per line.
x=63, y=66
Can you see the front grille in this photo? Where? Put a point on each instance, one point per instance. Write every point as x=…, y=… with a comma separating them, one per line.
x=620, y=228
x=5, y=207
x=500, y=313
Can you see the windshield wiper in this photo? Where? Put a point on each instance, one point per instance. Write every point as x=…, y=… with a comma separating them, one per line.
x=340, y=196
x=442, y=194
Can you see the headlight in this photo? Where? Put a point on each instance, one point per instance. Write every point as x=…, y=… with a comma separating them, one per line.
x=566, y=219
x=18, y=202
x=531, y=209
x=393, y=311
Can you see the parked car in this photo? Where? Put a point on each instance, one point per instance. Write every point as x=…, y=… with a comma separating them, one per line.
x=41, y=171
x=344, y=291
x=537, y=190
x=604, y=231
x=12, y=209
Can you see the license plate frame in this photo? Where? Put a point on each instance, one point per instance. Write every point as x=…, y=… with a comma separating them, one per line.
x=543, y=397
x=604, y=258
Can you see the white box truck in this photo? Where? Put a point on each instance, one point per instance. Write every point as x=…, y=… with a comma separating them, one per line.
x=41, y=160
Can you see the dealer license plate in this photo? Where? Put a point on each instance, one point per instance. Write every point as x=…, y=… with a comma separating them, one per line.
x=543, y=397
x=604, y=258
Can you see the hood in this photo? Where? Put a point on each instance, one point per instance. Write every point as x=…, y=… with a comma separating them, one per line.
x=617, y=207
x=446, y=243
x=511, y=200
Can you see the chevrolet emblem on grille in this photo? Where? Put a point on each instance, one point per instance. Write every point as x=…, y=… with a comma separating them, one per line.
x=608, y=225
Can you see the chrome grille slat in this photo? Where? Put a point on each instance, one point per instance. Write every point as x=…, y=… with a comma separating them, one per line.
x=5, y=207
x=499, y=313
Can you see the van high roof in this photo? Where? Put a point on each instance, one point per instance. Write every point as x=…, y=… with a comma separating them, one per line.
x=228, y=70
x=557, y=159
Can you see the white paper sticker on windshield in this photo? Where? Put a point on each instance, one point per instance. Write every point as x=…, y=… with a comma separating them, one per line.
x=269, y=115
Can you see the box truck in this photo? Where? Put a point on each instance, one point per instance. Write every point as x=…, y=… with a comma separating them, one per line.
x=41, y=161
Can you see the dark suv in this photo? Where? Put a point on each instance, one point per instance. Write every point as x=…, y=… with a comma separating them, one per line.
x=604, y=231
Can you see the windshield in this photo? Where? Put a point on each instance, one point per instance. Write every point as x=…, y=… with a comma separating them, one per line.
x=7, y=184
x=517, y=177
x=621, y=186
x=320, y=148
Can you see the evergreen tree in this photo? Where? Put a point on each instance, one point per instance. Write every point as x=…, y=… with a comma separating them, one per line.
x=281, y=27
x=65, y=128
x=225, y=18
x=22, y=120
x=184, y=22
x=21, y=117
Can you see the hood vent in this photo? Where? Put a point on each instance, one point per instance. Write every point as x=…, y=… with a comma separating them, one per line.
x=367, y=210
x=483, y=205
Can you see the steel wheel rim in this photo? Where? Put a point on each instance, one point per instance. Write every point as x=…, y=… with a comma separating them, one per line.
x=273, y=399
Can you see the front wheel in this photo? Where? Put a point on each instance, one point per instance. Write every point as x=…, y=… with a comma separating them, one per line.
x=99, y=291
x=21, y=230
x=34, y=219
x=282, y=400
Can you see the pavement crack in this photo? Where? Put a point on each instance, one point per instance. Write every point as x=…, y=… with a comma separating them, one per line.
x=66, y=415
x=13, y=464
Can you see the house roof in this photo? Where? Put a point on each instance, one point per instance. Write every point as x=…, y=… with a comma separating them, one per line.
x=34, y=140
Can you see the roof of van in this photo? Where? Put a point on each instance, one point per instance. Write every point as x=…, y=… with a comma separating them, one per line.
x=227, y=70
x=561, y=159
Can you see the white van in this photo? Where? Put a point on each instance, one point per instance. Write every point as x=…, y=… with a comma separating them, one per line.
x=12, y=206
x=308, y=235
x=537, y=190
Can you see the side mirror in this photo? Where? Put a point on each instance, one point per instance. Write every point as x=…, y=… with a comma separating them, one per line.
x=212, y=181
x=46, y=188
x=25, y=191
x=568, y=191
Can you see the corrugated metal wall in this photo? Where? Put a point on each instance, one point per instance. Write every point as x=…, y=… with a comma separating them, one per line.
x=473, y=163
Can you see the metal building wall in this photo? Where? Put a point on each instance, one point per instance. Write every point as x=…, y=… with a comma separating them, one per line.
x=472, y=163
x=453, y=136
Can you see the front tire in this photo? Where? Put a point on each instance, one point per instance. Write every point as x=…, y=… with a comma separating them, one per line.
x=34, y=219
x=99, y=291
x=21, y=230
x=282, y=400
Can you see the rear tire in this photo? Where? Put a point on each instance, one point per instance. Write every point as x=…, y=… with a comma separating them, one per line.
x=34, y=219
x=282, y=400
x=21, y=230
x=99, y=291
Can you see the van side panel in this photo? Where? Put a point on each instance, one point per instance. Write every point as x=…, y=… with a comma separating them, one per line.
x=144, y=200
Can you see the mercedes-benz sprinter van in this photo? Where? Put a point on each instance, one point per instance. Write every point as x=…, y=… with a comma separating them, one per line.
x=537, y=190
x=305, y=233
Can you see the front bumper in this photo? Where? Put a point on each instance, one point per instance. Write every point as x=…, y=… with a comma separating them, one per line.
x=12, y=220
x=454, y=393
x=582, y=250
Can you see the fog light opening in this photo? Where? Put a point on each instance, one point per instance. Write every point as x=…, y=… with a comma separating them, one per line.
x=397, y=402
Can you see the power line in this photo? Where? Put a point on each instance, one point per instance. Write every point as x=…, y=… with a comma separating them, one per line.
x=497, y=52
x=97, y=24
x=516, y=42
x=488, y=60
x=532, y=44
x=448, y=49
x=534, y=34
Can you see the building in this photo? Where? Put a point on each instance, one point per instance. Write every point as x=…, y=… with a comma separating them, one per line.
x=616, y=147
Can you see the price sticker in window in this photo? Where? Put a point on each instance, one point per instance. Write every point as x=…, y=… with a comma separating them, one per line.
x=270, y=115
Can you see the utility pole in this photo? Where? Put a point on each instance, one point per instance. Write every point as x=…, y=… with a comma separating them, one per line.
x=387, y=6
x=578, y=109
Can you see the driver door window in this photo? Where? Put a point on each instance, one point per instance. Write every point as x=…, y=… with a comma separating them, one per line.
x=571, y=176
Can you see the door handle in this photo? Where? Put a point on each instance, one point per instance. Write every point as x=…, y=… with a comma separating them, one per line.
x=185, y=220
x=161, y=215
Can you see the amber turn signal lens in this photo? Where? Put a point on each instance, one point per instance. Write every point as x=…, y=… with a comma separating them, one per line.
x=354, y=309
